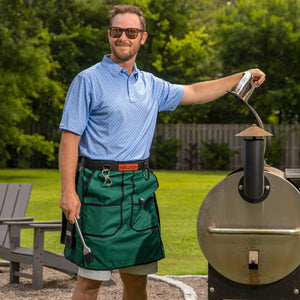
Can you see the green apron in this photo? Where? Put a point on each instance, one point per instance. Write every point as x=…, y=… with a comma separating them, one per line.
x=119, y=222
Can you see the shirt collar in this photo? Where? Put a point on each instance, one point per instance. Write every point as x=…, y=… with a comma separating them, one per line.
x=115, y=69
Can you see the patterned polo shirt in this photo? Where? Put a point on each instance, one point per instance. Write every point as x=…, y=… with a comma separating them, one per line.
x=115, y=114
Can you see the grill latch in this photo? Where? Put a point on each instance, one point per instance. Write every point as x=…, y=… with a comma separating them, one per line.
x=253, y=259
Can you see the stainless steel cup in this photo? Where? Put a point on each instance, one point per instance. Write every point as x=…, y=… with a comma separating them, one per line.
x=244, y=88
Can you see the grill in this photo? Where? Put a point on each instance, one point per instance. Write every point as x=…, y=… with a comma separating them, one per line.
x=249, y=232
x=248, y=228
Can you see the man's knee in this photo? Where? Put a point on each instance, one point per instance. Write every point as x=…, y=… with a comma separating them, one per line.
x=132, y=281
x=87, y=287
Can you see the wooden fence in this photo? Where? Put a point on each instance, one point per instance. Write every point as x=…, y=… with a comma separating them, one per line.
x=193, y=136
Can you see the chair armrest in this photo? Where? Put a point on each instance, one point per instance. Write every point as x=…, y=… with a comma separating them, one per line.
x=22, y=224
x=46, y=222
x=30, y=224
x=39, y=229
x=47, y=225
x=16, y=219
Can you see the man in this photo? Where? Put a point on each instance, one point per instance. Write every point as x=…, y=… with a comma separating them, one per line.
x=110, y=114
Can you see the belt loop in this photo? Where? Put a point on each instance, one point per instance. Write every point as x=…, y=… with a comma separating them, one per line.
x=146, y=164
x=107, y=167
x=146, y=167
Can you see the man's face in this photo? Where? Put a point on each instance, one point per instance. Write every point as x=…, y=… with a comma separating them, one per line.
x=124, y=49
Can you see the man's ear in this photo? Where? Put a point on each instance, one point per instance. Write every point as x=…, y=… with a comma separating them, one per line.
x=144, y=38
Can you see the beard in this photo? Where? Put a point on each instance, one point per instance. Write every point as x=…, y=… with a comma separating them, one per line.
x=124, y=56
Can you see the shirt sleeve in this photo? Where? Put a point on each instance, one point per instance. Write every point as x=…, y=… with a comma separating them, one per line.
x=168, y=95
x=76, y=109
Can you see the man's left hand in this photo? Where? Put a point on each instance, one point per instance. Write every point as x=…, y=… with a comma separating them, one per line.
x=258, y=77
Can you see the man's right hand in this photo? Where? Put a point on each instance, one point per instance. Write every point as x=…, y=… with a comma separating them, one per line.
x=70, y=205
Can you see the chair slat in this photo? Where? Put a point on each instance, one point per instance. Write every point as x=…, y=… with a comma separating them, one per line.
x=14, y=198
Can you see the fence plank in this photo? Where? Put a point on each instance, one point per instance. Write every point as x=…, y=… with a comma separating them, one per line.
x=195, y=134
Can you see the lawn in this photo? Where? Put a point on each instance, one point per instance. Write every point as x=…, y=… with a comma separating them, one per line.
x=179, y=198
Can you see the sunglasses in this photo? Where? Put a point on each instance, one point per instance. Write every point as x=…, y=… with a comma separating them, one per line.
x=131, y=33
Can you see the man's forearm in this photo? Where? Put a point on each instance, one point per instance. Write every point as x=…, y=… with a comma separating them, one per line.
x=207, y=91
x=68, y=157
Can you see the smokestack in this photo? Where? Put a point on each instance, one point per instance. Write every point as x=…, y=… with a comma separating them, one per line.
x=254, y=162
x=253, y=168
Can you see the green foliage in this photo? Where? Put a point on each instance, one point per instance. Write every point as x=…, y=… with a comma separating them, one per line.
x=164, y=153
x=192, y=156
x=274, y=152
x=45, y=43
x=29, y=146
x=187, y=59
x=264, y=34
x=78, y=31
x=25, y=85
x=173, y=39
x=215, y=156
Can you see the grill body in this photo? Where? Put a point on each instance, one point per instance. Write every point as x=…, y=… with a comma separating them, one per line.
x=248, y=243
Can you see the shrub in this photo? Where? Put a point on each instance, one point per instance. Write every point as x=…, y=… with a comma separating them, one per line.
x=215, y=156
x=274, y=152
x=192, y=157
x=164, y=153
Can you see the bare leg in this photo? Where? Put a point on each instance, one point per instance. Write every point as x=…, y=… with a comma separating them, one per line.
x=134, y=286
x=86, y=289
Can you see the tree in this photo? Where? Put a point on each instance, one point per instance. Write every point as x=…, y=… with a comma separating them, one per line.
x=171, y=32
x=44, y=44
x=178, y=49
x=265, y=34
x=78, y=34
x=246, y=34
x=24, y=66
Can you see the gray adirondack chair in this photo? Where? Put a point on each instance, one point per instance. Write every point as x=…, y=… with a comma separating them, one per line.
x=13, y=204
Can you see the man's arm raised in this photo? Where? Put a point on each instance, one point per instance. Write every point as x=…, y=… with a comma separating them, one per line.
x=207, y=91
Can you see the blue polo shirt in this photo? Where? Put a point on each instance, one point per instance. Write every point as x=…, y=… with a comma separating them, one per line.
x=115, y=114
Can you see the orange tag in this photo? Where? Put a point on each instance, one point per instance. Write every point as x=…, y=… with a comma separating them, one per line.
x=128, y=167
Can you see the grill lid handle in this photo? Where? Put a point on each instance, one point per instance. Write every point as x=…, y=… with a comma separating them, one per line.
x=214, y=230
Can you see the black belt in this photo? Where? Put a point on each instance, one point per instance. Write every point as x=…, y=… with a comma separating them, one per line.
x=114, y=165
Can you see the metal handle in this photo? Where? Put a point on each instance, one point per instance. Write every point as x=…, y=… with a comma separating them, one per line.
x=79, y=232
x=295, y=231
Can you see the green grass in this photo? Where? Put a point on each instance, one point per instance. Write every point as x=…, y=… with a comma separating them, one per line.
x=179, y=198
x=43, y=203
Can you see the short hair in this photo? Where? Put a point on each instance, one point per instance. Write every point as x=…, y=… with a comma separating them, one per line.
x=126, y=8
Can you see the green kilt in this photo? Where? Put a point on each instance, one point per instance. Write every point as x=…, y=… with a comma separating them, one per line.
x=119, y=222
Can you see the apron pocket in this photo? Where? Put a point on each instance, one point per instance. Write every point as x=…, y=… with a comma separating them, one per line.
x=101, y=205
x=102, y=220
x=144, y=214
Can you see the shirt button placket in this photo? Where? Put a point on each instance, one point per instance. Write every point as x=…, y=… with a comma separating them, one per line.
x=130, y=89
x=124, y=74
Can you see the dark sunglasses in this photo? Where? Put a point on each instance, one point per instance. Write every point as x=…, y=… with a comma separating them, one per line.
x=131, y=33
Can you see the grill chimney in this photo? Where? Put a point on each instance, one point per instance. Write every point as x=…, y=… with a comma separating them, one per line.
x=253, y=185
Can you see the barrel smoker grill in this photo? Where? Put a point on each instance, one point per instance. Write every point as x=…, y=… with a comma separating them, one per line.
x=249, y=230
x=249, y=224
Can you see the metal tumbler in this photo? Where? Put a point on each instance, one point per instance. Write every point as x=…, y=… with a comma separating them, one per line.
x=244, y=88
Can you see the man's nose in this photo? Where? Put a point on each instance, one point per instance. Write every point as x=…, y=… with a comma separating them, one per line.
x=123, y=35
